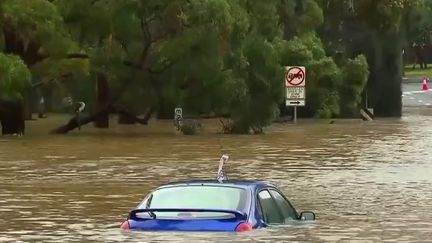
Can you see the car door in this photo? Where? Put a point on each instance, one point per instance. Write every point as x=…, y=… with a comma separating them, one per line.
x=288, y=211
x=269, y=209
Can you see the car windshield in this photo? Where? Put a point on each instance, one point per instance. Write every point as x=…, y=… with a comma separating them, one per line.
x=197, y=197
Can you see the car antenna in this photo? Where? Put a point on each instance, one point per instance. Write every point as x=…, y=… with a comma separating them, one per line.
x=221, y=175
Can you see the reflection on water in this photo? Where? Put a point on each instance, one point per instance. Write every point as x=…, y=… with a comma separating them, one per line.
x=367, y=182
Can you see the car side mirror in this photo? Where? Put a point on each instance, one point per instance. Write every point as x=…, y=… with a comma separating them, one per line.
x=307, y=216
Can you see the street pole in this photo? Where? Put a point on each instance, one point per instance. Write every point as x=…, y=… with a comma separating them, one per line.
x=295, y=114
x=367, y=97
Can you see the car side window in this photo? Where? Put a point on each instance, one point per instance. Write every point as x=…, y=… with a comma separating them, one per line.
x=288, y=211
x=270, y=210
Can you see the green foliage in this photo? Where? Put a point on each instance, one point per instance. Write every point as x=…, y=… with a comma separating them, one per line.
x=213, y=56
x=295, y=52
x=299, y=17
x=313, y=44
x=14, y=77
x=206, y=56
x=377, y=29
x=50, y=69
x=324, y=78
x=34, y=31
x=418, y=23
x=355, y=75
x=34, y=21
x=33, y=18
x=262, y=85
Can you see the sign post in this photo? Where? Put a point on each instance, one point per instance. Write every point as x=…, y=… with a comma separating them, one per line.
x=295, y=85
x=178, y=117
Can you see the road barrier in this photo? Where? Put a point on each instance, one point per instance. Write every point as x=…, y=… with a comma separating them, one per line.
x=367, y=115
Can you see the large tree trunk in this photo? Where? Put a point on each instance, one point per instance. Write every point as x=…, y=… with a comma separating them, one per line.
x=28, y=109
x=75, y=123
x=102, y=102
x=12, y=117
x=384, y=55
x=28, y=52
x=388, y=79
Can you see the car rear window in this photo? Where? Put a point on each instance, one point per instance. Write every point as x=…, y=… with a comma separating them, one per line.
x=197, y=197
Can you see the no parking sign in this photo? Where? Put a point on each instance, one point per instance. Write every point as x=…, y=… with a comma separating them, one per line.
x=295, y=77
x=295, y=83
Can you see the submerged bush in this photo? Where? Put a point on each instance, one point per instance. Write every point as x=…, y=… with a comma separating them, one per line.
x=190, y=127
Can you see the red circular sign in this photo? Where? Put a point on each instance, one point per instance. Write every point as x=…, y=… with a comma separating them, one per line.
x=295, y=76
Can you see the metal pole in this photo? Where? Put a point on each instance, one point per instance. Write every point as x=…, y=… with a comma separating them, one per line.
x=367, y=97
x=295, y=114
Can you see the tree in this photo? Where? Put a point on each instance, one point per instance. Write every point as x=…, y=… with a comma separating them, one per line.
x=132, y=45
x=33, y=30
x=14, y=79
x=355, y=75
x=189, y=53
x=225, y=57
x=374, y=28
x=216, y=56
x=417, y=23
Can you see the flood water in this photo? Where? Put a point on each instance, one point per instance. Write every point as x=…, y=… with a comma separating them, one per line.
x=367, y=182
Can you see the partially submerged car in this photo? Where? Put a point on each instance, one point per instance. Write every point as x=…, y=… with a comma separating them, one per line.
x=213, y=206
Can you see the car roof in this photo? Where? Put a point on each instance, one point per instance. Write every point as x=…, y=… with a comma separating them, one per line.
x=228, y=183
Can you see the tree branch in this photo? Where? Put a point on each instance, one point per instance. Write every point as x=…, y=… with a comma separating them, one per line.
x=76, y=122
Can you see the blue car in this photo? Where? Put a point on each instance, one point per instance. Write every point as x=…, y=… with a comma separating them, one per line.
x=213, y=206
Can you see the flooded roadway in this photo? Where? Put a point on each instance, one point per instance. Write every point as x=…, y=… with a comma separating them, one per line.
x=367, y=182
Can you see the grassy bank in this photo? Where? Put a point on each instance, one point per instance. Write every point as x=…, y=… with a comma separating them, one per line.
x=417, y=72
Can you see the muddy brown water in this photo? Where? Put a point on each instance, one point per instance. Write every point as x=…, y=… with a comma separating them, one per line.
x=367, y=182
